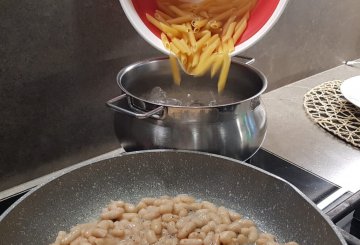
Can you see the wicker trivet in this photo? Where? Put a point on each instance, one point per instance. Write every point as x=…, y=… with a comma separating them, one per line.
x=326, y=106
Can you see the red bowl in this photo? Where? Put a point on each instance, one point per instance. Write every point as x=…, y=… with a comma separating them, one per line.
x=263, y=17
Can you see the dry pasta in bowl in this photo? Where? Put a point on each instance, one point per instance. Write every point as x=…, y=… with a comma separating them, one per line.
x=201, y=35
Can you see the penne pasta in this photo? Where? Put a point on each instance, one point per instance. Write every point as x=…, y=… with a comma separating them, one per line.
x=201, y=34
x=175, y=70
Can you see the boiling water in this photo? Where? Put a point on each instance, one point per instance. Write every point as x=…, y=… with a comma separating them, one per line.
x=160, y=96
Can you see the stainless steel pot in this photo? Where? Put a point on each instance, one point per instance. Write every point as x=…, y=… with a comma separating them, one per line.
x=232, y=123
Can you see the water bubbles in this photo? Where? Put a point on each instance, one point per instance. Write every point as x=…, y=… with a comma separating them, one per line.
x=158, y=95
x=176, y=98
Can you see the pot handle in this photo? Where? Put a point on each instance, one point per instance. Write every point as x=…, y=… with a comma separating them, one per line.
x=111, y=104
x=244, y=59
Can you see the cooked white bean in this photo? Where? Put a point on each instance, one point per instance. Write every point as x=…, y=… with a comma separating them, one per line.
x=224, y=214
x=183, y=212
x=234, y=216
x=152, y=212
x=141, y=205
x=242, y=239
x=156, y=226
x=167, y=221
x=215, y=217
x=186, y=230
x=105, y=224
x=246, y=223
x=191, y=242
x=130, y=208
x=227, y=236
x=235, y=226
x=150, y=236
x=129, y=216
x=253, y=234
x=166, y=208
x=185, y=198
x=169, y=217
x=209, y=205
x=117, y=232
x=99, y=232
x=209, y=238
x=221, y=228
x=171, y=227
x=71, y=236
x=113, y=214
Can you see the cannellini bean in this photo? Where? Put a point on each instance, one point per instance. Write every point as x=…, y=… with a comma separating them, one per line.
x=150, y=236
x=242, y=239
x=253, y=234
x=77, y=241
x=85, y=243
x=186, y=229
x=60, y=236
x=99, y=232
x=113, y=214
x=71, y=236
x=216, y=239
x=245, y=231
x=129, y=216
x=209, y=227
x=227, y=236
x=117, y=232
x=167, y=221
x=191, y=242
x=183, y=212
x=171, y=227
x=130, y=208
x=234, y=216
x=235, y=226
x=197, y=234
x=156, y=226
x=152, y=212
x=209, y=238
x=221, y=228
x=215, y=217
x=141, y=205
x=166, y=208
x=105, y=224
x=201, y=219
x=224, y=214
x=169, y=217
x=246, y=223
x=148, y=200
x=209, y=205
x=185, y=198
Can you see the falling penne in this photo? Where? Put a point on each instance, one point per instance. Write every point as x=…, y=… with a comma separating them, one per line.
x=201, y=34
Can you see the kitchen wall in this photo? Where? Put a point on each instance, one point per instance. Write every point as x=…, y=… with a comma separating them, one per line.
x=59, y=60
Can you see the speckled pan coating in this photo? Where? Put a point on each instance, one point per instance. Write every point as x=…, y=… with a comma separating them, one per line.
x=78, y=196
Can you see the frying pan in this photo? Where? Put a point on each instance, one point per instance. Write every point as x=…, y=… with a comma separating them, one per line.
x=78, y=196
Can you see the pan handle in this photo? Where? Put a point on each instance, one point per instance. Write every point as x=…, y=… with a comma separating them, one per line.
x=152, y=113
x=244, y=59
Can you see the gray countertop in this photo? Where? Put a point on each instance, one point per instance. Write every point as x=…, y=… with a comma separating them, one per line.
x=295, y=137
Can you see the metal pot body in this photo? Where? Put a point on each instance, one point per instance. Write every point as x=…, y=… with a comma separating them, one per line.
x=234, y=127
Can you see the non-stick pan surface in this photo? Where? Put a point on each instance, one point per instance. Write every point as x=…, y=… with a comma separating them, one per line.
x=78, y=196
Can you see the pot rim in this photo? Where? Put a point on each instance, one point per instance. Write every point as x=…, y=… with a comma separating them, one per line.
x=130, y=67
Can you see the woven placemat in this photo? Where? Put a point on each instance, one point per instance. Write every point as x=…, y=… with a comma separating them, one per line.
x=326, y=106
